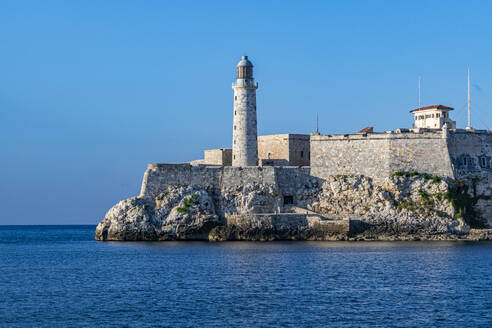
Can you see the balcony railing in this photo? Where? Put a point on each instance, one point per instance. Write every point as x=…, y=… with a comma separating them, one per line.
x=245, y=84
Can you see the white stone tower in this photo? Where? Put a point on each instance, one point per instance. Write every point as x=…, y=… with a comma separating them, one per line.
x=245, y=132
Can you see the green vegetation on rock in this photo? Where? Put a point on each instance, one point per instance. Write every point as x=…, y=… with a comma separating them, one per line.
x=464, y=204
x=187, y=203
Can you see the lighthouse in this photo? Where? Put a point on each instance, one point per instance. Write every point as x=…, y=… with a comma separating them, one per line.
x=245, y=131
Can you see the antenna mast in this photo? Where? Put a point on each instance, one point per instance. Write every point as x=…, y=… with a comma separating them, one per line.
x=469, y=119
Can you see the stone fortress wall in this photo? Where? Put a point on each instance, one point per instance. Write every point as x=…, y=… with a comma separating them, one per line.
x=456, y=154
x=470, y=153
x=378, y=155
x=158, y=176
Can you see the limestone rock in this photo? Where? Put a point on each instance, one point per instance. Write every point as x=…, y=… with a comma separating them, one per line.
x=401, y=207
x=180, y=213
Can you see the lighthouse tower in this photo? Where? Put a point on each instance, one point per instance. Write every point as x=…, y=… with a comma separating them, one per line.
x=245, y=132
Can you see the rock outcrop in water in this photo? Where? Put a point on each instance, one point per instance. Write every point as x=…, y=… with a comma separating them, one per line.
x=181, y=213
x=404, y=206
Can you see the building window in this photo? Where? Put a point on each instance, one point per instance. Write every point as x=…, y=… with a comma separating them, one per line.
x=234, y=127
x=484, y=164
x=464, y=160
x=235, y=97
x=288, y=200
x=234, y=156
x=302, y=154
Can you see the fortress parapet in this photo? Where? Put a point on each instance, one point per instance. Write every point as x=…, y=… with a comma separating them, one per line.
x=446, y=153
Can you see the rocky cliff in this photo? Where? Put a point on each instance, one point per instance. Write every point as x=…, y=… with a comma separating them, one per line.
x=403, y=206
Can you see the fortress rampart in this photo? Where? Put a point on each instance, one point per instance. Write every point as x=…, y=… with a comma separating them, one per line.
x=378, y=155
x=158, y=176
x=446, y=153
x=470, y=153
x=456, y=154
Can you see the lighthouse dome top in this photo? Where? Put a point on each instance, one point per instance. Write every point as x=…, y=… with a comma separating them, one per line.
x=244, y=62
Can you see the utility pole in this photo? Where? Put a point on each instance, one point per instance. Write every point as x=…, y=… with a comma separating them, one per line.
x=420, y=92
x=468, y=126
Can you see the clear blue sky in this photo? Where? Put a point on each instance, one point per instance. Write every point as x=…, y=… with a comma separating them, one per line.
x=92, y=91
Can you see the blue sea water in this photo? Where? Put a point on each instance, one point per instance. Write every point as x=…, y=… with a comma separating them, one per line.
x=58, y=276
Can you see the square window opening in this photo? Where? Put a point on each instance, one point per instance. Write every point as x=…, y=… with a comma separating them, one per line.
x=288, y=200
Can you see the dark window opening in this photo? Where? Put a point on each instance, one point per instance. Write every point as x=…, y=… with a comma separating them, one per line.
x=235, y=97
x=302, y=154
x=483, y=162
x=288, y=200
x=464, y=160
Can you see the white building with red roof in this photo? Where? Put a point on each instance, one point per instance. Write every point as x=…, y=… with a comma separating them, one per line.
x=433, y=117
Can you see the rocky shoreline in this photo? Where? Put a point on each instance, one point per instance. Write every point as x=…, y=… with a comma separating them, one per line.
x=403, y=207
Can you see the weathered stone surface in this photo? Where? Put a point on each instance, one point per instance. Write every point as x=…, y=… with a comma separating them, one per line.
x=284, y=226
x=179, y=213
x=401, y=207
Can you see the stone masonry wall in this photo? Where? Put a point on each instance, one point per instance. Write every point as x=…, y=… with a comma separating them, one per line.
x=158, y=177
x=350, y=154
x=421, y=152
x=379, y=155
x=274, y=147
x=299, y=149
x=284, y=149
x=471, y=153
x=222, y=156
x=471, y=158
